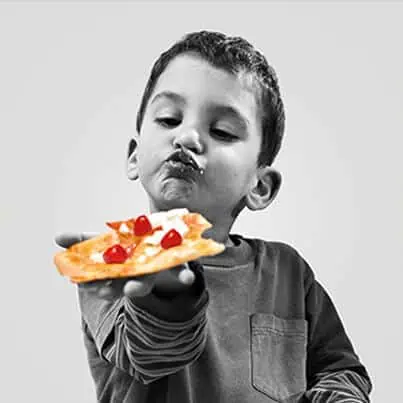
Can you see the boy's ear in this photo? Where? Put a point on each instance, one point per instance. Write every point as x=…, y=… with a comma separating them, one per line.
x=265, y=190
x=132, y=171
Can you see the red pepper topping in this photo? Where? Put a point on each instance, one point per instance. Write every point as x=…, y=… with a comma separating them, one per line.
x=115, y=254
x=142, y=226
x=115, y=225
x=171, y=238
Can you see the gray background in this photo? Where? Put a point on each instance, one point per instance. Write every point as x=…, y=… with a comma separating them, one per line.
x=71, y=76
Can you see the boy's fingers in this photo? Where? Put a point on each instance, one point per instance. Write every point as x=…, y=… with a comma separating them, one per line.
x=104, y=288
x=67, y=239
x=170, y=281
x=94, y=286
x=182, y=274
x=186, y=276
x=107, y=292
x=139, y=287
x=175, y=280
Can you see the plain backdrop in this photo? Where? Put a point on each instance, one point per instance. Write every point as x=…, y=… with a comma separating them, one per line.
x=71, y=77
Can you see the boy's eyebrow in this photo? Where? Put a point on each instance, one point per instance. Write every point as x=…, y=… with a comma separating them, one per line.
x=216, y=107
x=173, y=96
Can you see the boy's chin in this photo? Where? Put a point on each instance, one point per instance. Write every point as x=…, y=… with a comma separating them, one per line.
x=172, y=200
x=176, y=195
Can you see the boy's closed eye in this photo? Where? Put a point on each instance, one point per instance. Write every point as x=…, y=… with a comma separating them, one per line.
x=222, y=134
x=168, y=121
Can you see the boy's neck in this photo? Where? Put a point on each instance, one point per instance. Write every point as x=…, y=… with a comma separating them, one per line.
x=219, y=236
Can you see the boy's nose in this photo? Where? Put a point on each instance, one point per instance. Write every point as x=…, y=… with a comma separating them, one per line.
x=190, y=139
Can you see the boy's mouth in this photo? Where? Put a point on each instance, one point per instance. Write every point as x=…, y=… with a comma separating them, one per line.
x=184, y=160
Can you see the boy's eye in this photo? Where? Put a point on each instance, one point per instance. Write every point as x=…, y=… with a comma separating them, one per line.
x=168, y=122
x=223, y=134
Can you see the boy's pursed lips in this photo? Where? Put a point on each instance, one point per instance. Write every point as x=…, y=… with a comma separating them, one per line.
x=186, y=159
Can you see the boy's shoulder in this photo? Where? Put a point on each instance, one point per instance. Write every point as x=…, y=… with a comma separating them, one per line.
x=273, y=248
x=280, y=258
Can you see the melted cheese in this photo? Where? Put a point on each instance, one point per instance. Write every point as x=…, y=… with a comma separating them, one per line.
x=97, y=257
x=159, y=218
x=175, y=223
x=151, y=251
x=124, y=228
x=168, y=220
x=141, y=259
x=154, y=239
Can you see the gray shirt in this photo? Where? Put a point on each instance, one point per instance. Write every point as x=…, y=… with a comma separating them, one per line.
x=257, y=327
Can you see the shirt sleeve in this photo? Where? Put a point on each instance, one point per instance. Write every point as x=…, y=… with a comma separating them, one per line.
x=149, y=337
x=340, y=386
x=334, y=371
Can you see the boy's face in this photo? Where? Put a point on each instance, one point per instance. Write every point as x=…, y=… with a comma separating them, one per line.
x=211, y=114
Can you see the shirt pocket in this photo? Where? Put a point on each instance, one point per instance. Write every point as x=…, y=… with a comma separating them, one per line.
x=278, y=354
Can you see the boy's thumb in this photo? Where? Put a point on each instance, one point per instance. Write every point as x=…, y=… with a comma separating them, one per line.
x=67, y=239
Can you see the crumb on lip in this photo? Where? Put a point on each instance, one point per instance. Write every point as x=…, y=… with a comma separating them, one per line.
x=186, y=159
x=185, y=166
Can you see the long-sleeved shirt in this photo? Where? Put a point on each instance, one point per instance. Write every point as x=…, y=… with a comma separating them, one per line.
x=257, y=327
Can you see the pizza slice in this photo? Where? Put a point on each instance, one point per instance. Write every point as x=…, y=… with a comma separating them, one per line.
x=142, y=245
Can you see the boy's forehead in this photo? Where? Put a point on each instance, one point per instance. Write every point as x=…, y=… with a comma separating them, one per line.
x=190, y=74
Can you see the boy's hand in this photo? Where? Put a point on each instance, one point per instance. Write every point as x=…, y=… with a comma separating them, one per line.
x=171, y=281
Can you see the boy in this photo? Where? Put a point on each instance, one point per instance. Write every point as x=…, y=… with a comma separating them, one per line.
x=251, y=324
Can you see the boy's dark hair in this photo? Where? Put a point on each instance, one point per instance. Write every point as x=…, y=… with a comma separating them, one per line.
x=234, y=55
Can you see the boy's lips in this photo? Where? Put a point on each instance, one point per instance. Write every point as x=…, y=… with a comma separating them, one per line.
x=182, y=158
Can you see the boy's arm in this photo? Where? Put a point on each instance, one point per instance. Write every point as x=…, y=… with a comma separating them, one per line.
x=152, y=336
x=333, y=369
